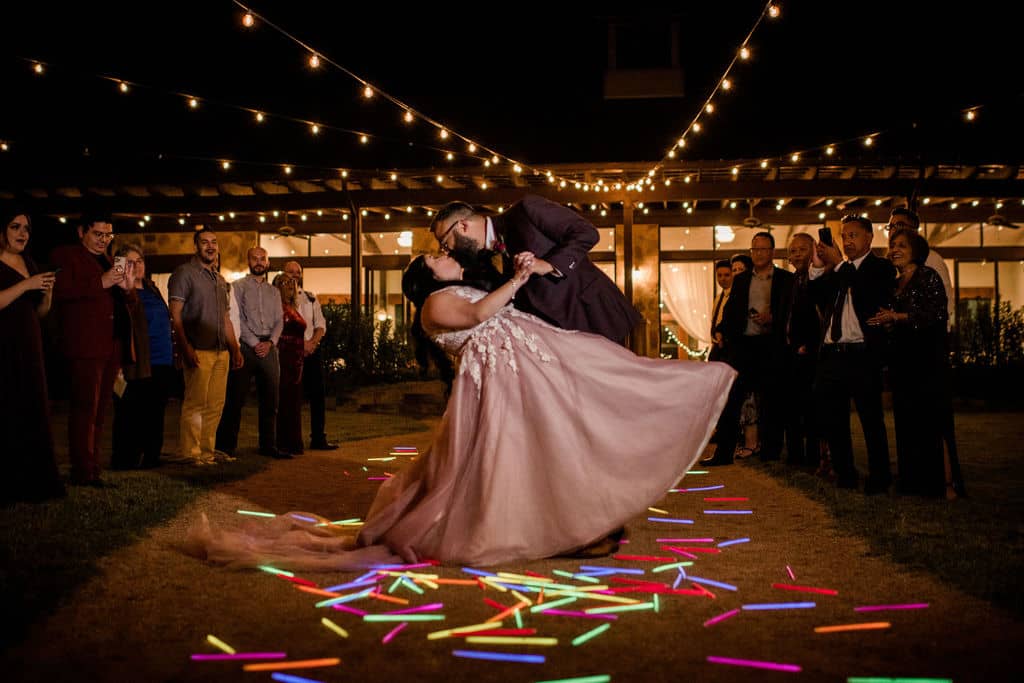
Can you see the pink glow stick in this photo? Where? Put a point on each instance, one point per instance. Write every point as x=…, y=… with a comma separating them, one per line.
x=393, y=632
x=719, y=500
x=878, y=608
x=346, y=608
x=682, y=552
x=422, y=608
x=754, y=663
x=791, y=575
x=685, y=540
x=721, y=617
x=240, y=655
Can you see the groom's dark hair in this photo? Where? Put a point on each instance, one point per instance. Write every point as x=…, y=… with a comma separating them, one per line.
x=450, y=209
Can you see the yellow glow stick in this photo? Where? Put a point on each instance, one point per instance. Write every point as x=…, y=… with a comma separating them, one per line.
x=220, y=644
x=463, y=629
x=490, y=582
x=510, y=640
x=334, y=627
x=297, y=664
x=522, y=598
x=526, y=579
x=660, y=512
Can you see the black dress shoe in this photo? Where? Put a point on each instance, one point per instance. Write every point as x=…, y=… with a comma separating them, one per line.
x=323, y=445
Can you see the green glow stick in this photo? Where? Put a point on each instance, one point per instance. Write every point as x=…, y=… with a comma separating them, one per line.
x=410, y=585
x=510, y=640
x=555, y=603
x=256, y=514
x=656, y=605
x=592, y=633
x=270, y=570
x=620, y=608
x=666, y=567
x=396, y=584
x=519, y=619
x=600, y=678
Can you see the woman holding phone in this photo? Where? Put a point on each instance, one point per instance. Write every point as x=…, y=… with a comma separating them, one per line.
x=30, y=470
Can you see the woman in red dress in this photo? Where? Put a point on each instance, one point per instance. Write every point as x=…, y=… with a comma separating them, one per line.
x=291, y=351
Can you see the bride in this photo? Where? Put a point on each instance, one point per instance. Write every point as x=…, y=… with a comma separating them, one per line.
x=552, y=439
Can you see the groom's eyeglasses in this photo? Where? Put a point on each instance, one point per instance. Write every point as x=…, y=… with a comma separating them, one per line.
x=443, y=239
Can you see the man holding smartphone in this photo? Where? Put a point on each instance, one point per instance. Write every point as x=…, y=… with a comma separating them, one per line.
x=95, y=329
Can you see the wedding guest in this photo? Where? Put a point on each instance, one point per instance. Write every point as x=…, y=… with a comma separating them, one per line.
x=291, y=348
x=919, y=372
x=30, y=469
x=92, y=297
x=723, y=275
x=139, y=411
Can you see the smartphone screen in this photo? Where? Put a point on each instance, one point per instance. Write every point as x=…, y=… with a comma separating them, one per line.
x=119, y=263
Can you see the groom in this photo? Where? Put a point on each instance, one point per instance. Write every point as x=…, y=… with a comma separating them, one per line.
x=571, y=292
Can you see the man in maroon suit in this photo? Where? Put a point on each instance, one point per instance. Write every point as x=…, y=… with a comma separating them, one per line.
x=570, y=292
x=90, y=295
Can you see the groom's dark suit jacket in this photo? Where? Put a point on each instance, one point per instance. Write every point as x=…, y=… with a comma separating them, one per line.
x=584, y=298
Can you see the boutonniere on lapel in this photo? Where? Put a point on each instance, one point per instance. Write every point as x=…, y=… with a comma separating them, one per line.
x=499, y=253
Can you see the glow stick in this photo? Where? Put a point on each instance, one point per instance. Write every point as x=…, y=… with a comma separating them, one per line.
x=302, y=517
x=865, y=626
x=754, y=664
x=592, y=633
x=367, y=575
x=683, y=553
x=674, y=565
x=297, y=664
x=519, y=619
x=602, y=678
x=709, y=582
x=495, y=585
x=477, y=572
x=499, y=656
x=451, y=582
x=567, y=613
x=879, y=608
x=395, y=585
x=697, y=472
x=685, y=540
x=526, y=579
x=875, y=679
x=660, y=512
x=640, y=558
x=255, y=514
x=509, y=640
x=239, y=655
x=351, y=584
x=220, y=644
x=790, y=571
x=610, y=570
x=508, y=612
x=721, y=617
x=728, y=512
x=692, y=549
x=285, y=678
x=403, y=617
x=780, y=605
x=410, y=585
x=805, y=589
x=271, y=570
x=343, y=599
x=550, y=605
x=462, y=629
x=389, y=459
x=701, y=488
x=317, y=591
x=522, y=598
x=621, y=608
x=334, y=627
x=723, y=500
x=670, y=520
x=393, y=632
x=657, y=607
x=724, y=544
x=350, y=610
x=388, y=598
x=682, y=575
x=422, y=608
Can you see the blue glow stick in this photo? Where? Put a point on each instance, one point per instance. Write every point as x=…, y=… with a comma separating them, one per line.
x=477, y=572
x=670, y=520
x=701, y=488
x=344, y=598
x=303, y=517
x=709, y=582
x=610, y=570
x=499, y=656
x=351, y=584
x=372, y=572
x=780, y=605
x=285, y=678
x=682, y=575
x=738, y=540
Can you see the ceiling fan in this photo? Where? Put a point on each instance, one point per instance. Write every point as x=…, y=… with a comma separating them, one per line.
x=753, y=221
x=1000, y=221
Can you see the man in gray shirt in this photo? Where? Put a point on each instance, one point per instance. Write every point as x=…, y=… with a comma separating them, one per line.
x=206, y=341
x=260, y=321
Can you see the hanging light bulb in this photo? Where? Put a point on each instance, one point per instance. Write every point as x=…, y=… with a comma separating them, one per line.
x=38, y=68
x=744, y=53
x=795, y=157
x=681, y=143
x=408, y=117
x=314, y=61
x=259, y=117
x=287, y=170
x=315, y=129
x=367, y=92
x=735, y=170
x=471, y=148
x=494, y=159
x=709, y=107
x=123, y=87
x=449, y=156
x=774, y=11
x=193, y=103
x=970, y=115
x=443, y=134
x=248, y=20
x=830, y=150
x=696, y=127
x=671, y=154
x=726, y=84
x=764, y=163
x=364, y=139
x=225, y=165
x=868, y=141
x=394, y=177
x=517, y=168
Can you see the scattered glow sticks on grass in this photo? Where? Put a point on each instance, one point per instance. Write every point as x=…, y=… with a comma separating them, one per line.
x=297, y=664
x=403, y=617
x=592, y=633
x=779, y=605
x=334, y=627
x=499, y=656
x=220, y=644
x=393, y=632
x=716, y=584
x=805, y=589
x=725, y=544
x=879, y=608
x=285, y=678
x=239, y=655
x=721, y=617
x=865, y=626
x=255, y=514
x=670, y=520
x=754, y=664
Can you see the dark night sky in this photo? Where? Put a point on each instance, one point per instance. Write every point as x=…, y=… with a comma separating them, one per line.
x=520, y=78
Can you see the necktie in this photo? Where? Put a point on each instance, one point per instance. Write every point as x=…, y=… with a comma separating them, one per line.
x=718, y=310
x=846, y=272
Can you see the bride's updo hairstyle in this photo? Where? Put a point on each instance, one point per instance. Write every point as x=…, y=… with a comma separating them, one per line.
x=417, y=284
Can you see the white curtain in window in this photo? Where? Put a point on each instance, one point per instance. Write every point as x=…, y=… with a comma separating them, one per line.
x=687, y=291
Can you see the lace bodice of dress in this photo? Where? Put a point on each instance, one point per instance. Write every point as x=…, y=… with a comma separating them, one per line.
x=493, y=343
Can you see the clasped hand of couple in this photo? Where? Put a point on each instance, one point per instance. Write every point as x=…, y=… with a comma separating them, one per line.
x=527, y=264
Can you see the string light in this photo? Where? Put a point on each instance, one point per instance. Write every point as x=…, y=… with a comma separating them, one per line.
x=868, y=141
x=394, y=177
x=193, y=103
x=259, y=117
x=830, y=150
x=449, y=156
x=472, y=150
x=123, y=87
x=726, y=84
x=774, y=11
x=287, y=170
x=744, y=53
x=225, y=165
x=364, y=139
x=764, y=163
x=696, y=127
x=367, y=92
x=794, y=157
x=314, y=61
x=38, y=68
x=314, y=128
x=970, y=115
x=408, y=117
x=709, y=108
x=444, y=136
x=248, y=20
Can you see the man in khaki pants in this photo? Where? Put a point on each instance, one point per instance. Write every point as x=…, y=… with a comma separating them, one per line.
x=206, y=340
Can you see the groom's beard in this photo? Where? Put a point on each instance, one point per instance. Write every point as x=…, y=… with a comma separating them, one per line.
x=466, y=251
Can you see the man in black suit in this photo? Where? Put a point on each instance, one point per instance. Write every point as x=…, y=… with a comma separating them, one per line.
x=852, y=352
x=753, y=331
x=803, y=327
x=570, y=292
x=723, y=275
